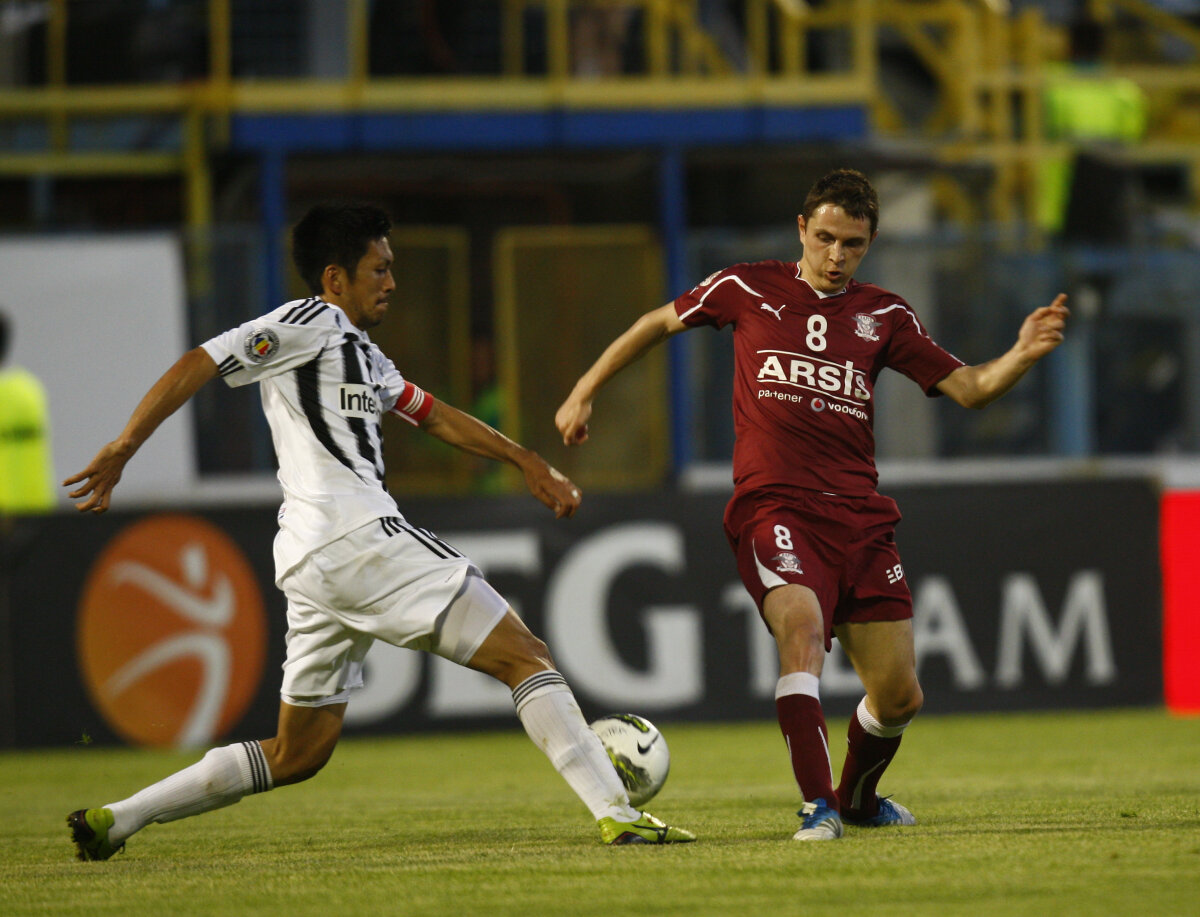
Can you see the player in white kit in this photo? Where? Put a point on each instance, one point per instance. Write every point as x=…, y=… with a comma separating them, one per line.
x=353, y=569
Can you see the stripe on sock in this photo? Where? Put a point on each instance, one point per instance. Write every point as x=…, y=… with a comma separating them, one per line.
x=260, y=773
x=856, y=799
x=522, y=692
x=828, y=759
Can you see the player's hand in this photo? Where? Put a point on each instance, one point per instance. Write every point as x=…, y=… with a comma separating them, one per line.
x=1042, y=329
x=99, y=478
x=552, y=487
x=572, y=421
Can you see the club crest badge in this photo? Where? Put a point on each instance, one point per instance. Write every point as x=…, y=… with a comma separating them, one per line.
x=865, y=326
x=261, y=345
x=787, y=562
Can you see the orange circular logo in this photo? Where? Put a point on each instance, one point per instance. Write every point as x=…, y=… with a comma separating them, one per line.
x=171, y=635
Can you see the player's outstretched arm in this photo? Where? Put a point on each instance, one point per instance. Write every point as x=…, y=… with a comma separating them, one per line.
x=472, y=435
x=978, y=386
x=165, y=397
x=650, y=329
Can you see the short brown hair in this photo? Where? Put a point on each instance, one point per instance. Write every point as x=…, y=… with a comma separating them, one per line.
x=848, y=189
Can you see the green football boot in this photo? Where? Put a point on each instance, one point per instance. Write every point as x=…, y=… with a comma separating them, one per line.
x=89, y=831
x=646, y=830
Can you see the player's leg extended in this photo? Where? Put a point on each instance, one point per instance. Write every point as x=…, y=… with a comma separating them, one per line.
x=547, y=709
x=306, y=738
x=883, y=656
x=794, y=615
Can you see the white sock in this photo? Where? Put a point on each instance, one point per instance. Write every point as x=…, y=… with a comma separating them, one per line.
x=220, y=778
x=547, y=710
x=798, y=683
x=873, y=726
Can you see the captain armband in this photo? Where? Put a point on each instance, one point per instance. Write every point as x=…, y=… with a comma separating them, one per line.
x=413, y=405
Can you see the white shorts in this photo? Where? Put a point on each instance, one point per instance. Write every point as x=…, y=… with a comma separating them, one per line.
x=385, y=581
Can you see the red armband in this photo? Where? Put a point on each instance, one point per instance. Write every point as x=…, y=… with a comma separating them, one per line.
x=413, y=405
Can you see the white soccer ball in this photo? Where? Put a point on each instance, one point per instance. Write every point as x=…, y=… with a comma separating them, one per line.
x=639, y=753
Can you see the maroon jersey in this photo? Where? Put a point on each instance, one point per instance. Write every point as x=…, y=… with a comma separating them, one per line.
x=805, y=367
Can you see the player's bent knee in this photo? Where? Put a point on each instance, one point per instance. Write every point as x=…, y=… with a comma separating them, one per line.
x=916, y=701
x=290, y=766
x=308, y=772
x=901, y=707
x=297, y=771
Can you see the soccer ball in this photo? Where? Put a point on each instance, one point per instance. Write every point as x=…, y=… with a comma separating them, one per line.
x=639, y=753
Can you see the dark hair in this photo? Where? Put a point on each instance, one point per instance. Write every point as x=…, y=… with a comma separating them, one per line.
x=848, y=189
x=338, y=232
x=4, y=335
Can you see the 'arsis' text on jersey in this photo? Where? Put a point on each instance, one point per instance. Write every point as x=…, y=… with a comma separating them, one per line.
x=815, y=374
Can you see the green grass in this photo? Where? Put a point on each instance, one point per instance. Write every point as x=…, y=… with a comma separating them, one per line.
x=1039, y=814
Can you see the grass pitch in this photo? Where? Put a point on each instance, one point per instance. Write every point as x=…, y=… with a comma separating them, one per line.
x=1059, y=814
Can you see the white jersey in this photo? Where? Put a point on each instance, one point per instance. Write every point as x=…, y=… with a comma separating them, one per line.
x=325, y=388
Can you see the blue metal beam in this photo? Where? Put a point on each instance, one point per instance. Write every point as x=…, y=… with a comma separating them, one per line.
x=473, y=131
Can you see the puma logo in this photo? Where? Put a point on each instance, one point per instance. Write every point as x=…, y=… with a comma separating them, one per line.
x=775, y=312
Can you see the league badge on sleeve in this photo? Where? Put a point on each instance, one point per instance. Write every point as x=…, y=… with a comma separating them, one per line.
x=261, y=345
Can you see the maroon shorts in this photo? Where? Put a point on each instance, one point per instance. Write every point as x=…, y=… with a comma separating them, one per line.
x=842, y=548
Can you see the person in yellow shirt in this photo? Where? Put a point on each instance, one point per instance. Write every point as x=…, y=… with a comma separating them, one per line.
x=26, y=474
x=1096, y=111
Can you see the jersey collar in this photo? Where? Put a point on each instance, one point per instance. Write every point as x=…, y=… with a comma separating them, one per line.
x=343, y=319
x=817, y=292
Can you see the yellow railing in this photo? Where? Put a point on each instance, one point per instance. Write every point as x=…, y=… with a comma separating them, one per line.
x=1172, y=89
x=988, y=66
x=672, y=40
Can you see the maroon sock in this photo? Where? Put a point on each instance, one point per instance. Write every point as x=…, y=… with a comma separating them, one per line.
x=867, y=757
x=803, y=724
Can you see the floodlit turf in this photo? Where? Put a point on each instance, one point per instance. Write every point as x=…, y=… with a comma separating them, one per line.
x=1040, y=814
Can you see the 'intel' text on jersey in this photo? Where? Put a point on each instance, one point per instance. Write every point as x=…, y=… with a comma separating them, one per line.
x=358, y=401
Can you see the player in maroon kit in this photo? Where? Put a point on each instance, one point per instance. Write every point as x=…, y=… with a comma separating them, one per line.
x=814, y=541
